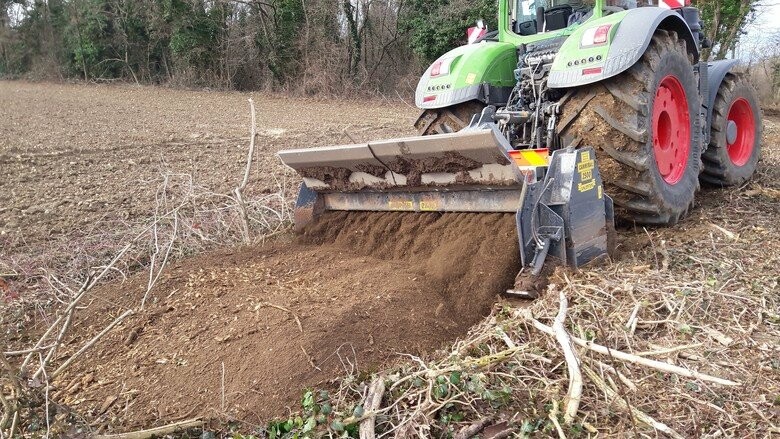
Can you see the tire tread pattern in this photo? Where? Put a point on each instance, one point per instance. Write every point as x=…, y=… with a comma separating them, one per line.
x=618, y=118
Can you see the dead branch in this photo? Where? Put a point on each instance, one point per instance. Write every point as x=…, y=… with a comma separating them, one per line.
x=90, y=343
x=309, y=359
x=152, y=264
x=10, y=407
x=281, y=308
x=86, y=286
x=636, y=413
x=553, y=416
x=26, y=351
x=157, y=431
x=665, y=351
x=664, y=367
x=471, y=430
x=240, y=189
x=372, y=403
x=572, y=362
x=624, y=379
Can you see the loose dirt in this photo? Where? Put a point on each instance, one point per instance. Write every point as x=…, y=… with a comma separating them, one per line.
x=347, y=296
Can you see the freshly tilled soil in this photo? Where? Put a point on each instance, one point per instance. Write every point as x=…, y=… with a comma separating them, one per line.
x=347, y=296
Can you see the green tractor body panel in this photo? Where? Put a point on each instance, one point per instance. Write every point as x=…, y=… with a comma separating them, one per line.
x=629, y=33
x=577, y=63
x=485, y=71
x=467, y=73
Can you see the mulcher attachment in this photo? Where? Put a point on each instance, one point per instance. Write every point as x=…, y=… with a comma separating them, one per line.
x=561, y=209
x=566, y=214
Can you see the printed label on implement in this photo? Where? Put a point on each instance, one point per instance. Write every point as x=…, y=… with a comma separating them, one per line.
x=584, y=187
x=400, y=205
x=585, y=169
x=429, y=205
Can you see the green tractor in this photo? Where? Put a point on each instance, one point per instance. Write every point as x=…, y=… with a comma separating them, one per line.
x=627, y=80
x=568, y=116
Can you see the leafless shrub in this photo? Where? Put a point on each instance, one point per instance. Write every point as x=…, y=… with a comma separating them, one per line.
x=187, y=219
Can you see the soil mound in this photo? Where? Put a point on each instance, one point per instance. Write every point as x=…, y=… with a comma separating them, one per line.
x=347, y=295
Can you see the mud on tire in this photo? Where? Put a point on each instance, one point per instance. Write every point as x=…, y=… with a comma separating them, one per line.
x=448, y=119
x=731, y=163
x=616, y=116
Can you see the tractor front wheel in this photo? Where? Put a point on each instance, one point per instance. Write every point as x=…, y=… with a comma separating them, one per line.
x=447, y=120
x=644, y=126
x=735, y=135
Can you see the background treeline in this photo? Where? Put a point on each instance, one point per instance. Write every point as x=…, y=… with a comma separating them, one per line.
x=313, y=46
x=308, y=46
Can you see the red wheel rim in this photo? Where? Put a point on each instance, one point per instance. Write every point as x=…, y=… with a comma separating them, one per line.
x=741, y=113
x=671, y=130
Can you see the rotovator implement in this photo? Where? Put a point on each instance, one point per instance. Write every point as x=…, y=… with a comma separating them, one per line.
x=567, y=107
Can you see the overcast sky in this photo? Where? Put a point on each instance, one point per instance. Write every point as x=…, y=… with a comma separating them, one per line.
x=761, y=32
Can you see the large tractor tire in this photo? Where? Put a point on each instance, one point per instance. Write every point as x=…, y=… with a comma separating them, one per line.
x=735, y=135
x=447, y=120
x=644, y=126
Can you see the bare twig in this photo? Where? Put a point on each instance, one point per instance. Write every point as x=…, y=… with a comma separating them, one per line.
x=157, y=431
x=572, y=362
x=471, y=430
x=372, y=403
x=86, y=286
x=26, y=351
x=636, y=413
x=91, y=343
x=222, y=387
x=309, y=359
x=553, y=416
x=10, y=405
x=240, y=189
x=46, y=398
x=281, y=308
x=665, y=367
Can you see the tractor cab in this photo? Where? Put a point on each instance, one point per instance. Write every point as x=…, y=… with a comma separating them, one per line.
x=531, y=17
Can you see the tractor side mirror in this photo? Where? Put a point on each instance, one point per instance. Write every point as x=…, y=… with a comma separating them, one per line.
x=476, y=32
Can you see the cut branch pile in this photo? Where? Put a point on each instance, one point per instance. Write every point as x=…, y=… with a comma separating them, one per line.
x=679, y=339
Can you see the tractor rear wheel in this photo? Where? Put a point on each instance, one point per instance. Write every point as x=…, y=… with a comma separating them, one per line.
x=447, y=120
x=644, y=126
x=735, y=135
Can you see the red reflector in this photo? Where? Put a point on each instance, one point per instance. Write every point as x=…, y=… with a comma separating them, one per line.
x=436, y=68
x=429, y=98
x=600, y=37
x=591, y=71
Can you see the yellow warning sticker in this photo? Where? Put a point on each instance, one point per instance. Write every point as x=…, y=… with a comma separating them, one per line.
x=429, y=206
x=400, y=205
x=584, y=187
x=585, y=169
x=470, y=78
x=586, y=174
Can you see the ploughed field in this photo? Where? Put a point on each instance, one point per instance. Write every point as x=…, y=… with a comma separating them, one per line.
x=238, y=332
